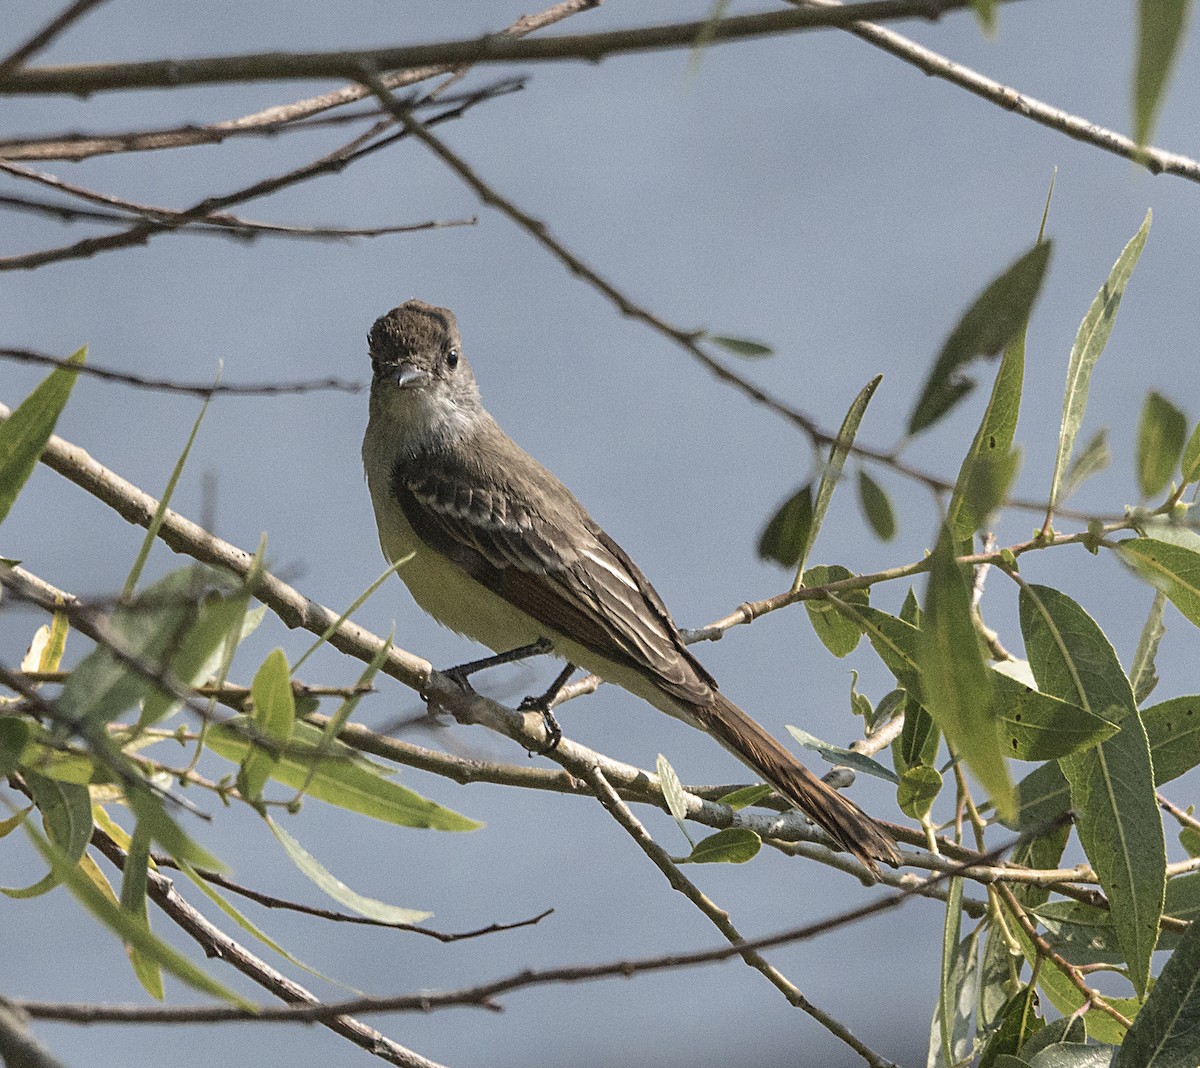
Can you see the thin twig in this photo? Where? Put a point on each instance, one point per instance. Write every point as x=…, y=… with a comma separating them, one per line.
x=195, y=389
x=216, y=943
x=94, y=78
x=44, y=37
x=1155, y=160
x=272, y=120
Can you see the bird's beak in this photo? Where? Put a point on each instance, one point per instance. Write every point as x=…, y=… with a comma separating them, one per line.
x=406, y=375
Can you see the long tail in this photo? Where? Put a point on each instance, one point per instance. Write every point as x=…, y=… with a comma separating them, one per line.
x=843, y=819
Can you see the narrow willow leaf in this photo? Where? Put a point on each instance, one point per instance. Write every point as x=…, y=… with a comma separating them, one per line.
x=1142, y=673
x=196, y=656
x=1089, y=343
x=125, y=926
x=23, y=435
x=66, y=811
x=985, y=11
x=1164, y=1033
x=991, y=478
x=672, y=790
x=133, y=903
x=156, y=520
x=784, y=537
x=742, y=346
x=951, y=1031
x=746, y=796
x=240, y=918
x=918, y=789
x=993, y=438
x=104, y=685
x=848, y=758
x=733, y=845
x=321, y=877
x=876, y=507
x=832, y=473
x=339, y=776
x=705, y=37
x=1093, y=458
x=1160, y=34
x=957, y=684
x=1161, y=431
x=894, y=640
x=839, y=634
x=1191, y=457
x=1112, y=784
x=165, y=831
x=1173, y=728
x=910, y=610
x=1039, y=726
x=999, y=313
x=1081, y=934
x=919, y=738
x=274, y=714
x=1067, y=1031
x=1172, y=569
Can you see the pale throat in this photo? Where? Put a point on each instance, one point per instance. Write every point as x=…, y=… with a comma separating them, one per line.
x=413, y=420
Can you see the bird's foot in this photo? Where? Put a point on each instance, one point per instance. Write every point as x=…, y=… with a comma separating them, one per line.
x=461, y=673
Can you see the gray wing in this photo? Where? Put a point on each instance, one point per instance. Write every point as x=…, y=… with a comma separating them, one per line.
x=542, y=552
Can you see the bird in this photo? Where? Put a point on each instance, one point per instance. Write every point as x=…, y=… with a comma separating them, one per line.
x=495, y=547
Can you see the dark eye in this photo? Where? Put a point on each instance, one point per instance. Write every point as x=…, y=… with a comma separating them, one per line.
x=452, y=359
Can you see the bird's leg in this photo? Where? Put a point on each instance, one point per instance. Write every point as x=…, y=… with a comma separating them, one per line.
x=545, y=705
x=462, y=672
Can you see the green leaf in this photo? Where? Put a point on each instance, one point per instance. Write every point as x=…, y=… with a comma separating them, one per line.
x=876, y=507
x=165, y=831
x=1068, y=1029
x=746, y=796
x=918, y=789
x=993, y=438
x=1142, y=674
x=784, y=537
x=1093, y=458
x=835, y=754
x=23, y=435
x=838, y=634
x=1039, y=726
x=1019, y=1020
x=321, y=877
x=1164, y=1035
x=832, y=473
x=1173, y=728
x=951, y=1034
x=910, y=610
x=672, y=790
x=1160, y=34
x=705, y=37
x=985, y=11
x=125, y=926
x=196, y=657
x=14, y=736
x=999, y=313
x=148, y=628
x=733, y=845
x=741, y=346
x=919, y=738
x=1161, y=431
x=133, y=902
x=1171, y=569
x=339, y=776
x=66, y=810
x=1089, y=343
x=1190, y=465
x=1112, y=784
x=958, y=685
x=274, y=714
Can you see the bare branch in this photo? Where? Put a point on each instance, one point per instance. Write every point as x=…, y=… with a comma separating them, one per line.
x=90, y=78
x=270, y=121
x=1155, y=160
x=195, y=389
x=45, y=36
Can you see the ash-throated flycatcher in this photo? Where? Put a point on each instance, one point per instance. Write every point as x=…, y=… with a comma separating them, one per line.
x=502, y=552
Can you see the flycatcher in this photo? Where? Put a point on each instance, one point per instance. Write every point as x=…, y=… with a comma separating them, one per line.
x=502, y=552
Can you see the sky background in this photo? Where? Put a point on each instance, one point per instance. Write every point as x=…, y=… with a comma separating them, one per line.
x=808, y=191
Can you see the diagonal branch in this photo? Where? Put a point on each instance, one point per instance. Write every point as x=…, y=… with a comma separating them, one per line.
x=45, y=36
